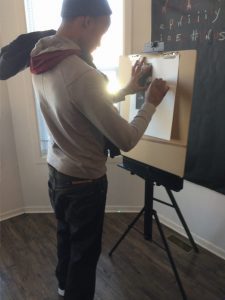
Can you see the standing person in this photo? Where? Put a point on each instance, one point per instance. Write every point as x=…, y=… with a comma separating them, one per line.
x=81, y=117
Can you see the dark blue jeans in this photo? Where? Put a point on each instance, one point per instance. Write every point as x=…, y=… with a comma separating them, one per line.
x=79, y=207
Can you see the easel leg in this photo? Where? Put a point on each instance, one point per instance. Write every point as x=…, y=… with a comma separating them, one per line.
x=149, y=194
x=169, y=255
x=127, y=231
x=170, y=194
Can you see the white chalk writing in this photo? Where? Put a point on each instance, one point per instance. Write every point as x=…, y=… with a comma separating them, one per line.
x=197, y=17
x=191, y=20
x=196, y=20
x=180, y=23
x=178, y=37
x=189, y=6
x=194, y=35
x=171, y=23
x=222, y=36
x=217, y=12
x=209, y=35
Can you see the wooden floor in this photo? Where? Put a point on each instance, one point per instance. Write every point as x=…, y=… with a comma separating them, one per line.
x=139, y=270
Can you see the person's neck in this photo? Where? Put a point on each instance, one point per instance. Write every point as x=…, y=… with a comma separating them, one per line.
x=71, y=32
x=67, y=32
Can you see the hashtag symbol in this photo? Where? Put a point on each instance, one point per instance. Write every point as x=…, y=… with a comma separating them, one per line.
x=194, y=35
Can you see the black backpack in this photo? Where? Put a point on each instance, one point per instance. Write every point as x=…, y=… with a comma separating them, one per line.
x=15, y=57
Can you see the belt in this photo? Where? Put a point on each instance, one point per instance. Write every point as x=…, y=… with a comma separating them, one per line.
x=73, y=180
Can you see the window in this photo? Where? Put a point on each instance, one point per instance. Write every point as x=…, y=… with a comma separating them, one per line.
x=44, y=15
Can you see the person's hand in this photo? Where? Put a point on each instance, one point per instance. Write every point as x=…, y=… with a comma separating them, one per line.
x=156, y=92
x=138, y=70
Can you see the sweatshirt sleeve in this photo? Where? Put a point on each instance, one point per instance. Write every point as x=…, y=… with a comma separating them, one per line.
x=90, y=97
x=119, y=96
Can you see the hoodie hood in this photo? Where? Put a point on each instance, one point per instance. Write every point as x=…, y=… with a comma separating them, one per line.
x=50, y=51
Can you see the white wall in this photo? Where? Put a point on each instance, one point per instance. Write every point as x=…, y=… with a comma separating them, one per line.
x=203, y=209
x=11, y=202
x=137, y=25
x=33, y=173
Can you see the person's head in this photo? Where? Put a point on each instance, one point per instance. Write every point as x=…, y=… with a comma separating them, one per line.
x=85, y=21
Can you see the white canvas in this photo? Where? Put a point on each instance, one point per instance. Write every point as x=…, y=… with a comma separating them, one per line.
x=166, y=67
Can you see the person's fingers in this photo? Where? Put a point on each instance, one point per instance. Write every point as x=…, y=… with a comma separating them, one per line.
x=136, y=69
x=166, y=89
x=163, y=86
x=142, y=61
x=141, y=65
x=160, y=84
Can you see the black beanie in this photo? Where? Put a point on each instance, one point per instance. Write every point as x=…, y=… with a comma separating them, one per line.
x=91, y=8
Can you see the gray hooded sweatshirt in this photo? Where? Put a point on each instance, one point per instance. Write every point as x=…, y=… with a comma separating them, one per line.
x=78, y=110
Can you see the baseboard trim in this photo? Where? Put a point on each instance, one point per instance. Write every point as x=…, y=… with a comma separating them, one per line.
x=198, y=240
x=122, y=209
x=38, y=209
x=11, y=214
x=48, y=209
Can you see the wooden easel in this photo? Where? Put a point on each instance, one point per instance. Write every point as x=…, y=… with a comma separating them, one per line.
x=152, y=177
x=161, y=162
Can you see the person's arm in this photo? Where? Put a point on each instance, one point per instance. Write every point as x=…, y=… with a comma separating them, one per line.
x=134, y=86
x=15, y=57
x=119, y=96
x=91, y=99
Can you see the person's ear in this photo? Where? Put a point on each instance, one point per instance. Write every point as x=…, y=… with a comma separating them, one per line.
x=86, y=22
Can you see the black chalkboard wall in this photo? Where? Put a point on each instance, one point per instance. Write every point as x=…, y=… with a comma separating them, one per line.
x=200, y=24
